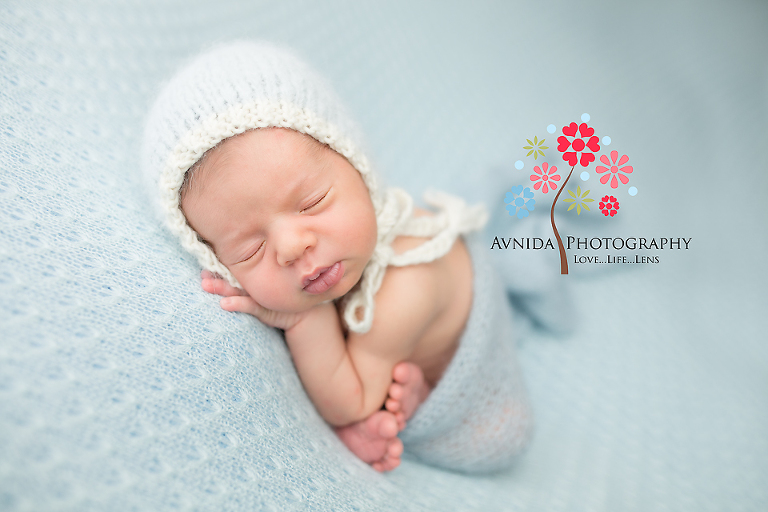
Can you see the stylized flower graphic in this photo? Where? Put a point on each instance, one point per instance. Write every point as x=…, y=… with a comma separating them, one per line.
x=579, y=200
x=535, y=147
x=578, y=145
x=520, y=201
x=613, y=166
x=609, y=205
x=545, y=177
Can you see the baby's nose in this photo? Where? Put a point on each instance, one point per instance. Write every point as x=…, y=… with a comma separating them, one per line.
x=292, y=245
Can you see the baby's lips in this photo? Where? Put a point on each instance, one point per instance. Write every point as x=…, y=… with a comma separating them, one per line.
x=314, y=275
x=326, y=279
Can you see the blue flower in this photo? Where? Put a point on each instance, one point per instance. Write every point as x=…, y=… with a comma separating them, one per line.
x=520, y=201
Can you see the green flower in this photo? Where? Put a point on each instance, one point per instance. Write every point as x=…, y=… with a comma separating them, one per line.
x=535, y=147
x=579, y=200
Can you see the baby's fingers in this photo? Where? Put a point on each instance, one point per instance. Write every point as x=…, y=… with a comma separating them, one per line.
x=242, y=304
x=245, y=304
x=219, y=286
x=251, y=307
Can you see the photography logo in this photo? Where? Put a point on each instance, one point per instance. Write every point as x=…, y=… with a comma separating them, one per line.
x=578, y=147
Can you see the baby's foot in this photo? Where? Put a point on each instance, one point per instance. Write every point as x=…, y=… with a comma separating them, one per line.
x=374, y=440
x=407, y=391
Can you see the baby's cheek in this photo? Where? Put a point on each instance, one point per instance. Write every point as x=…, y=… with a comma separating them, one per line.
x=252, y=288
x=272, y=295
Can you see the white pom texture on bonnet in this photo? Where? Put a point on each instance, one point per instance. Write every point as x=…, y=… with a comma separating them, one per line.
x=245, y=85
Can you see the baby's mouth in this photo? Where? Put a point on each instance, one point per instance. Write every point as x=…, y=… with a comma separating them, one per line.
x=322, y=279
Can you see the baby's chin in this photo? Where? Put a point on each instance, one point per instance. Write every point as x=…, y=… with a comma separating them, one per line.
x=305, y=302
x=347, y=284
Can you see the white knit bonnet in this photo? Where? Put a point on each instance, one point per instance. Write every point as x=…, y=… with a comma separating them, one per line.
x=245, y=85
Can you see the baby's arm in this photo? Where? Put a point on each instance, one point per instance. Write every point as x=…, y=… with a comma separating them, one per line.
x=348, y=379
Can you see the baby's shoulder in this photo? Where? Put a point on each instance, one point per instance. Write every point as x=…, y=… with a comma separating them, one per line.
x=435, y=281
x=426, y=304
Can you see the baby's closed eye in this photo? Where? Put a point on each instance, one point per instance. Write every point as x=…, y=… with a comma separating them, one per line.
x=315, y=201
x=253, y=252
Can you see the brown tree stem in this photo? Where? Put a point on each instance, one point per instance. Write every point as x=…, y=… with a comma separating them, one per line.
x=563, y=256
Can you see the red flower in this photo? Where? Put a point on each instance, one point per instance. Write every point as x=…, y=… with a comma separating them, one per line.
x=578, y=145
x=609, y=205
x=613, y=166
x=548, y=179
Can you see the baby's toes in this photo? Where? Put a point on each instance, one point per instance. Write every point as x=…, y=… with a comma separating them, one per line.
x=395, y=448
x=379, y=466
x=392, y=458
x=392, y=405
x=396, y=391
x=388, y=464
x=402, y=372
x=400, y=417
x=388, y=427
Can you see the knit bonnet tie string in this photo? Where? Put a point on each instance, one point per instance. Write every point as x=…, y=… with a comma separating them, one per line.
x=452, y=219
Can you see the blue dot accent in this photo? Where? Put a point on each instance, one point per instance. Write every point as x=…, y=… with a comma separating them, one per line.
x=632, y=191
x=585, y=118
x=607, y=140
x=584, y=176
x=551, y=128
x=519, y=165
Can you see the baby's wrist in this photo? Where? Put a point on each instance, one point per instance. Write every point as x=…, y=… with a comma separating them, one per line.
x=299, y=324
x=306, y=319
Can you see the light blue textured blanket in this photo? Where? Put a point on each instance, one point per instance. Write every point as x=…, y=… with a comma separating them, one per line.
x=123, y=386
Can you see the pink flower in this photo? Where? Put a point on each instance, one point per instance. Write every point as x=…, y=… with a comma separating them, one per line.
x=613, y=166
x=545, y=177
x=585, y=140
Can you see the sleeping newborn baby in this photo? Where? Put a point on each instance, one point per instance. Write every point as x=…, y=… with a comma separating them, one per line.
x=397, y=327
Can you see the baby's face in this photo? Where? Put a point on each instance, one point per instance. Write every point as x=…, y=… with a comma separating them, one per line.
x=290, y=218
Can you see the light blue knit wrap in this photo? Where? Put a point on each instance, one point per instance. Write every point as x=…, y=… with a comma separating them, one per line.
x=477, y=418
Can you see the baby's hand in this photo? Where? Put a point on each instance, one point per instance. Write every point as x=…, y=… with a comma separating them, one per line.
x=238, y=300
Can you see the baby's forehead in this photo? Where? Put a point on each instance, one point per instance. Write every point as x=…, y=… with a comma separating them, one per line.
x=230, y=148
x=303, y=141
x=237, y=151
x=315, y=147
